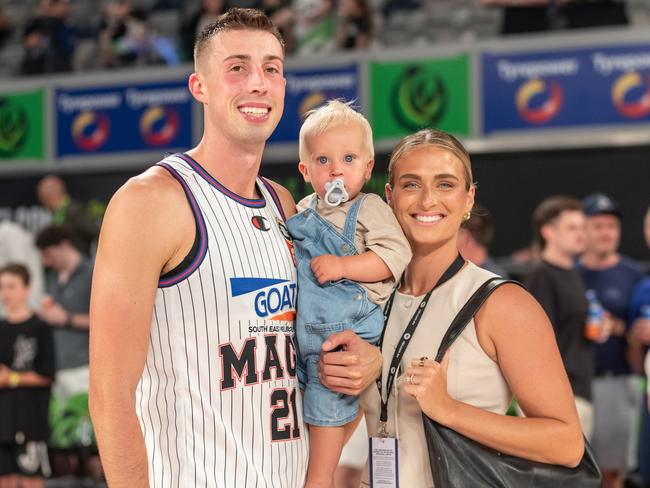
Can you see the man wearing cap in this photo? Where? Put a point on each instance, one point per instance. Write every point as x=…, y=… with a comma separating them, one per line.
x=616, y=388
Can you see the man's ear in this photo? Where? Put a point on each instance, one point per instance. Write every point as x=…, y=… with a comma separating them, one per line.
x=304, y=171
x=546, y=231
x=197, y=87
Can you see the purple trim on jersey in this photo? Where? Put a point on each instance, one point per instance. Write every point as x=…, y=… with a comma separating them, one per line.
x=248, y=202
x=203, y=235
x=274, y=197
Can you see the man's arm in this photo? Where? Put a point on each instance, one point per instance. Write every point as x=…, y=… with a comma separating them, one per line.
x=141, y=234
x=57, y=316
x=23, y=379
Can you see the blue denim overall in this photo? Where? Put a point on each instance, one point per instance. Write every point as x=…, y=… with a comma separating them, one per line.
x=328, y=308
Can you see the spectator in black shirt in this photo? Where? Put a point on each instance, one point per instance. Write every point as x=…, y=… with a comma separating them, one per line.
x=26, y=373
x=282, y=16
x=559, y=224
x=5, y=27
x=49, y=40
x=522, y=16
x=354, y=24
x=595, y=13
x=190, y=30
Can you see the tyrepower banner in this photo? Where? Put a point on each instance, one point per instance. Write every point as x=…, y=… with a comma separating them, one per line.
x=566, y=88
x=21, y=125
x=310, y=88
x=137, y=117
x=408, y=96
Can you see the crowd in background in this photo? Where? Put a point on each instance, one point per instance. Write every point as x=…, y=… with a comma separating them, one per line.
x=45, y=285
x=597, y=300
x=58, y=36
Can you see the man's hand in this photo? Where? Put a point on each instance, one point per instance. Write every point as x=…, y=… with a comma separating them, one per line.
x=607, y=328
x=351, y=370
x=327, y=267
x=54, y=314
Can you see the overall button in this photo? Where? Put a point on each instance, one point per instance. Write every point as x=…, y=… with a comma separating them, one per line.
x=345, y=248
x=408, y=303
x=358, y=297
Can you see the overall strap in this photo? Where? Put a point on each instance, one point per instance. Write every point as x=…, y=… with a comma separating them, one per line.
x=314, y=202
x=350, y=226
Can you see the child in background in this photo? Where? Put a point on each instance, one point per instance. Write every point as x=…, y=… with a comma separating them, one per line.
x=350, y=252
x=26, y=373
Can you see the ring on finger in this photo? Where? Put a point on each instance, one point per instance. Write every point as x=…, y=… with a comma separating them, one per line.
x=410, y=380
x=421, y=361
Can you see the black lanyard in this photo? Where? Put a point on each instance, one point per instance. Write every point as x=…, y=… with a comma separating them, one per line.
x=408, y=334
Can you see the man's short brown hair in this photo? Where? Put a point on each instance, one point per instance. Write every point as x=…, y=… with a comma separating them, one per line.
x=234, y=19
x=549, y=210
x=53, y=236
x=17, y=270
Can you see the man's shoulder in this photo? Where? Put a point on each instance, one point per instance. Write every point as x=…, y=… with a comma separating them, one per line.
x=151, y=182
x=543, y=272
x=151, y=212
x=37, y=326
x=150, y=191
x=630, y=266
x=643, y=286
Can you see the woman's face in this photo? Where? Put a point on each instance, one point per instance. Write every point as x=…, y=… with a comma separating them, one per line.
x=429, y=197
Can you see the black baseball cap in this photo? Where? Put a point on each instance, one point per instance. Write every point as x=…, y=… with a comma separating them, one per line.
x=598, y=204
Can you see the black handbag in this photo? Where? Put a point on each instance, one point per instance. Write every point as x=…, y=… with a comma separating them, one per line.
x=459, y=462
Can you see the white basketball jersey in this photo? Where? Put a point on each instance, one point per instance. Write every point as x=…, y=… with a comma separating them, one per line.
x=218, y=401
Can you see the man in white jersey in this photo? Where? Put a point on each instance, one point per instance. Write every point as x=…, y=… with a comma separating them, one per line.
x=192, y=352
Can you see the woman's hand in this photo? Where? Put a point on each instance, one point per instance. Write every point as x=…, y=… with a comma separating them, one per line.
x=352, y=369
x=426, y=381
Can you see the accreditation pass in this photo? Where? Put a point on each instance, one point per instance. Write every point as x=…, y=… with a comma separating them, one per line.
x=383, y=462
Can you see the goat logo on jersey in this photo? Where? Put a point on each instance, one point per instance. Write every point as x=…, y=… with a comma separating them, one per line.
x=263, y=299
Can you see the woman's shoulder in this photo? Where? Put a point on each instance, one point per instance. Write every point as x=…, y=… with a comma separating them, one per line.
x=509, y=317
x=473, y=276
x=478, y=274
x=510, y=305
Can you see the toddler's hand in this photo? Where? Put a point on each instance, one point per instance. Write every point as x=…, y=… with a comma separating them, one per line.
x=327, y=267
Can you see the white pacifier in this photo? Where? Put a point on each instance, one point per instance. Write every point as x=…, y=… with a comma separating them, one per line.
x=335, y=192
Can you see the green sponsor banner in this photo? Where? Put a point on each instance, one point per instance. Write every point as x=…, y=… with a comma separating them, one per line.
x=408, y=96
x=21, y=125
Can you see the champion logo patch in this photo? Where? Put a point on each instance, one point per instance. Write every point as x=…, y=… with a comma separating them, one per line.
x=260, y=223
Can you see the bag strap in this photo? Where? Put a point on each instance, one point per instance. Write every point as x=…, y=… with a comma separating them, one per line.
x=468, y=311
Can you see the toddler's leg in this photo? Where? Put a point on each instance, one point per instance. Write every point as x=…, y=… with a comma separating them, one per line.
x=325, y=446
